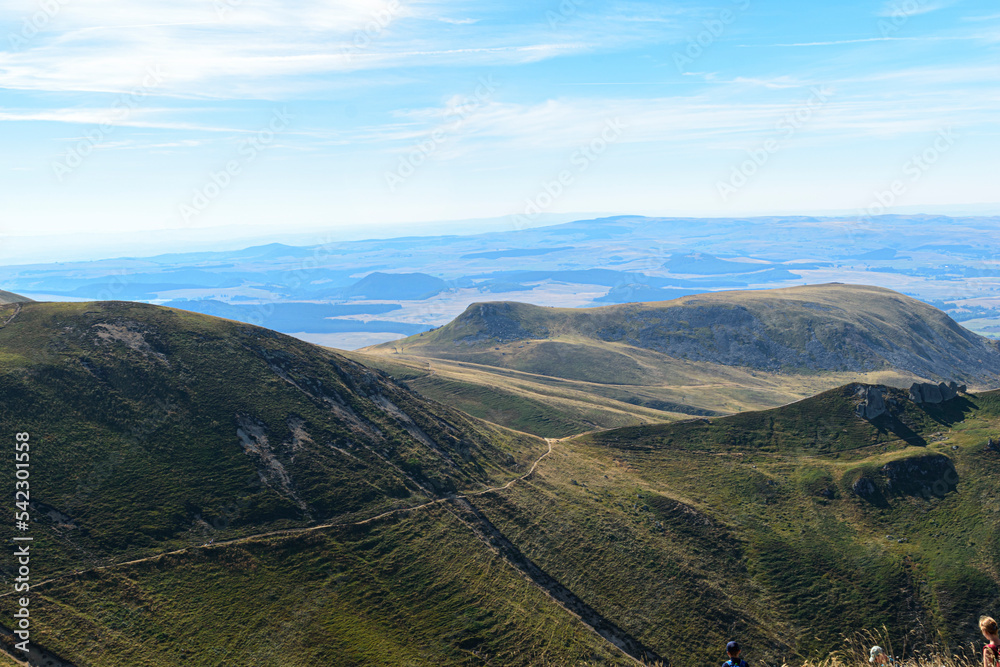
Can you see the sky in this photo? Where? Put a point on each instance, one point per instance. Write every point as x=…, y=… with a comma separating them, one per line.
x=129, y=117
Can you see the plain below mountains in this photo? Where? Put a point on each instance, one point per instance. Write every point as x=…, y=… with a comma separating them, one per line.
x=556, y=371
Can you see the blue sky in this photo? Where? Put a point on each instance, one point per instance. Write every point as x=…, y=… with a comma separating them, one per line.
x=175, y=114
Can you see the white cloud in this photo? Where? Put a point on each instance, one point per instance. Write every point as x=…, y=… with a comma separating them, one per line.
x=141, y=118
x=266, y=49
x=725, y=117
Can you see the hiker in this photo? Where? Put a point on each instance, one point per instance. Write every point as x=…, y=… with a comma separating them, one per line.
x=877, y=656
x=991, y=652
x=733, y=651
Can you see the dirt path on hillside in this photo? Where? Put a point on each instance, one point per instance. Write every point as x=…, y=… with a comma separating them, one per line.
x=17, y=311
x=297, y=531
x=463, y=510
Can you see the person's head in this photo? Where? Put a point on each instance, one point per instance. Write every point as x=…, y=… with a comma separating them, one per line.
x=988, y=626
x=733, y=650
x=877, y=656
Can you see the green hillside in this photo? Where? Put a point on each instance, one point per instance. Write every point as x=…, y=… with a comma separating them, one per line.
x=788, y=528
x=208, y=428
x=553, y=406
x=260, y=464
x=560, y=371
x=207, y=493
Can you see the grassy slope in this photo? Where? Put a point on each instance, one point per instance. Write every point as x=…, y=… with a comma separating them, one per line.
x=689, y=534
x=515, y=363
x=418, y=590
x=136, y=451
x=682, y=534
x=150, y=418
x=552, y=406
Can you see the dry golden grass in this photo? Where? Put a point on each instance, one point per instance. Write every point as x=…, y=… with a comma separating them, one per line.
x=564, y=406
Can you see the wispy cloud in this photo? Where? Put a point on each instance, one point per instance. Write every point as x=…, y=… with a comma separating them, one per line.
x=264, y=50
x=708, y=120
x=139, y=118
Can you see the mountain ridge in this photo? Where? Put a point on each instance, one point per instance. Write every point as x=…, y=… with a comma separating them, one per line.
x=832, y=327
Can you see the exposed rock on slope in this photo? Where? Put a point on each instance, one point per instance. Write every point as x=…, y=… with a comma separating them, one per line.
x=873, y=404
x=206, y=421
x=926, y=392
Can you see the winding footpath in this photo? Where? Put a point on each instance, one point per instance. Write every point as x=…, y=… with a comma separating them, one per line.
x=480, y=526
x=295, y=531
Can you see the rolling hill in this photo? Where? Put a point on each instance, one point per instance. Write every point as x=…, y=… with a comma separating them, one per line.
x=205, y=492
x=558, y=371
x=130, y=396
x=788, y=528
x=156, y=431
x=10, y=297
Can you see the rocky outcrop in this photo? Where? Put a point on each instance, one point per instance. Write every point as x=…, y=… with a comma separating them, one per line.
x=926, y=392
x=927, y=476
x=498, y=322
x=933, y=474
x=865, y=488
x=873, y=402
